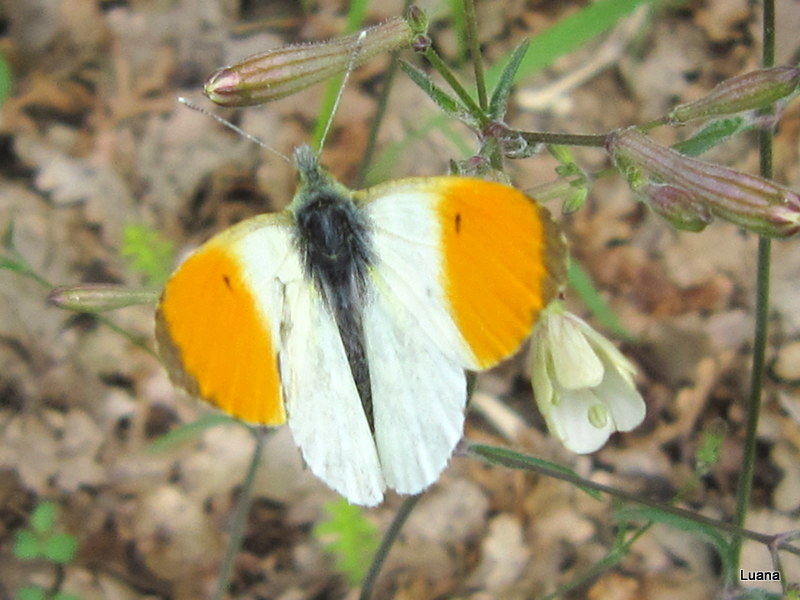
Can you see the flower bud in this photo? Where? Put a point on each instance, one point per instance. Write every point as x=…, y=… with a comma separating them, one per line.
x=756, y=89
x=99, y=297
x=748, y=201
x=283, y=71
x=677, y=206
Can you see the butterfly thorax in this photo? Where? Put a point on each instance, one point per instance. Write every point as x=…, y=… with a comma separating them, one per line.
x=333, y=238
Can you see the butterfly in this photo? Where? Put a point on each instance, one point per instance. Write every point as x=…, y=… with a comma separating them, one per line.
x=353, y=315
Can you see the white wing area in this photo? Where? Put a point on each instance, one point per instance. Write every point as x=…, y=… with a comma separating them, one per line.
x=416, y=353
x=269, y=263
x=407, y=242
x=419, y=396
x=325, y=413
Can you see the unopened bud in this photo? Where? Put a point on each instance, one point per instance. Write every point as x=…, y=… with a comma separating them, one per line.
x=756, y=89
x=751, y=202
x=677, y=206
x=283, y=71
x=417, y=19
x=100, y=297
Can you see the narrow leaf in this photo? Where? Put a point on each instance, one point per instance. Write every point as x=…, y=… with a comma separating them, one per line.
x=712, y=135
x=517, y=460
x=445, y=101
x=580, y=281
x=570, y=34
x=189, y=431
x=714, y=537
x=497, y=104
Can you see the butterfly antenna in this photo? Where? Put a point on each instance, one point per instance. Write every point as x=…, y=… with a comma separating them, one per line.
x=232, y=127
x=350, y=65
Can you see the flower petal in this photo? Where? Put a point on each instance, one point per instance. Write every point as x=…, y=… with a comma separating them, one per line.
x=575, y=362
x=569, y=420
x=623, y=400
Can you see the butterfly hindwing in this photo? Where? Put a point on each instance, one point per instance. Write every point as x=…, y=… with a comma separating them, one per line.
x=325, y=412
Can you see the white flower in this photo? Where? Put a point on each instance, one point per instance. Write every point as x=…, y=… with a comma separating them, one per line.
x=583, y=385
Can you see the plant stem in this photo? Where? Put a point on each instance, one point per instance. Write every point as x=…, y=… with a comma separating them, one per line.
x=438, y=64
x=475, y=52
x=564, y=139
x=490, y=454
x=386, y=545
x=240, y=516
x=745, y=484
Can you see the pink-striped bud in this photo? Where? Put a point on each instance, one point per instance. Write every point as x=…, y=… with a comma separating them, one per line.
x=283, y=71
x=751, y=202
x=756, y=89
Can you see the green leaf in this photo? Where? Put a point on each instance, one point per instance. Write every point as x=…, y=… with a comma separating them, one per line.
x=12, y=265
x=5, y=80
x=580, y=281
x=517, y=460
x=350, y=537
x=27, y=546
x=31, y=592
x=148, y=253
x=569, y=34
x=44, y=517
x=60, y=548
x=712, y=535
x=497, y=104
x=712, y=135
x=189, y=431
x=443, y=100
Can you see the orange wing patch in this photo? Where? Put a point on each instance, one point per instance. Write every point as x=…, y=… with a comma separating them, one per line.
x=503, y=263
x=214, y=340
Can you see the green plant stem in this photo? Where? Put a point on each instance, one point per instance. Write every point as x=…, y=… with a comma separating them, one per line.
x=745, y=484
x=563, y=139
x=475, y=52
x=438, y=64
x=240, y=516
x=386, y=544
x=503, y=457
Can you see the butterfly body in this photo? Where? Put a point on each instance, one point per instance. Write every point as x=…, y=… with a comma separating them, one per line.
x=353, y=316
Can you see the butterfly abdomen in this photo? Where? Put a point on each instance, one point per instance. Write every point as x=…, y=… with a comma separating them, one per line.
x=333, y=239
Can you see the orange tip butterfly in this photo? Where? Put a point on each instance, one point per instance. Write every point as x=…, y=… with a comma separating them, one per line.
x=352, y=316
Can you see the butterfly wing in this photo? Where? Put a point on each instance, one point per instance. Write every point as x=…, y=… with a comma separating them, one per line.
x=218, y=320
x=474, y=260
x=464, y=266
x=325, y=412
x=419, y=395
x=240, y=327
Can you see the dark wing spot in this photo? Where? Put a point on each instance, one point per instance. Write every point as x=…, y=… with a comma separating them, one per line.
x=458, y=222
x=227, y=281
